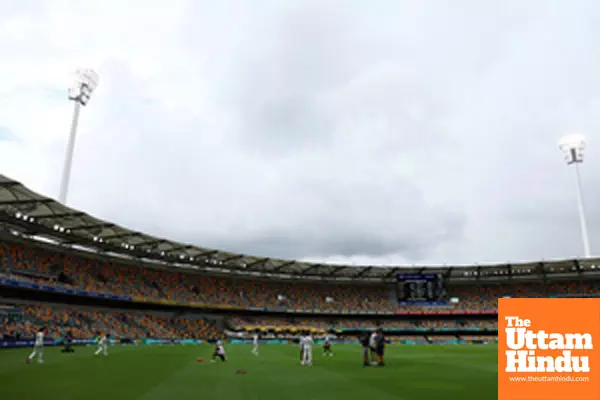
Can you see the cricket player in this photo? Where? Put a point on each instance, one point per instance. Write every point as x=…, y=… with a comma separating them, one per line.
x=38, y=346
x=327, y=347
x=306, y=343
x=255, y=344
x=219, y=352
x=372, y=347
x=102, y=344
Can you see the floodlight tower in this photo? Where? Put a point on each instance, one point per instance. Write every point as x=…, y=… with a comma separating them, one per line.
x=573, y=146
x=86, y=81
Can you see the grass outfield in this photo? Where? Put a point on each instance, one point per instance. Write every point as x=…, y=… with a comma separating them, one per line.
x=413, y=372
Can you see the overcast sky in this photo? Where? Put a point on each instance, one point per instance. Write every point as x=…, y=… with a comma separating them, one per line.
x=376, y=132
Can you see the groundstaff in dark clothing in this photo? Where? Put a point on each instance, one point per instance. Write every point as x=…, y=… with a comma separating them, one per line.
x=364, y=342
x=380, y=346
x=68, y=343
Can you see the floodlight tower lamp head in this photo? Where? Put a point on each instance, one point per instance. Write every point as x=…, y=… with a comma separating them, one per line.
x=84, y=84
x=573, y=146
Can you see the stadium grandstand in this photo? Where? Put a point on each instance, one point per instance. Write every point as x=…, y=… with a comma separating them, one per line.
x=70, y=271
x=159, y=306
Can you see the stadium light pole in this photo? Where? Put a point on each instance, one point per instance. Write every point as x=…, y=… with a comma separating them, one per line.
x=573, y=146
x=86, y=81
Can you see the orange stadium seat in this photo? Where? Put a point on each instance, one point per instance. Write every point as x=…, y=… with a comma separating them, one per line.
x=42, y=266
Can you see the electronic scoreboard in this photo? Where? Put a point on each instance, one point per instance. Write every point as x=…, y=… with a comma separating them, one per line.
x=421, y=288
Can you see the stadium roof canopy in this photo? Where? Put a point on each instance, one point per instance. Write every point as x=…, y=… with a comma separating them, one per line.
x=29, y=215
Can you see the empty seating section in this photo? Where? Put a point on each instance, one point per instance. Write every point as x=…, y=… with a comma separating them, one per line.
x=323, y=324
x=473, y=338
x=44, y=266
x=85, y=323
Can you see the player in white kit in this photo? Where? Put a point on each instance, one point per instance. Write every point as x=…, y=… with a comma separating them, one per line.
x=219, y=352
x=38, y=346
x=372, y=346
x=255, y=345
x=102, y=345
x=306, y=342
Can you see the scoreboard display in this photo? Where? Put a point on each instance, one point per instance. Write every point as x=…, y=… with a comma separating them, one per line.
x=420, y=288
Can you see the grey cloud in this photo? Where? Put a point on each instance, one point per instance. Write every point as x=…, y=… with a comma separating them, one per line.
x=283, y=125
x=296, y=245
x=348, y=214
x=399, y=129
